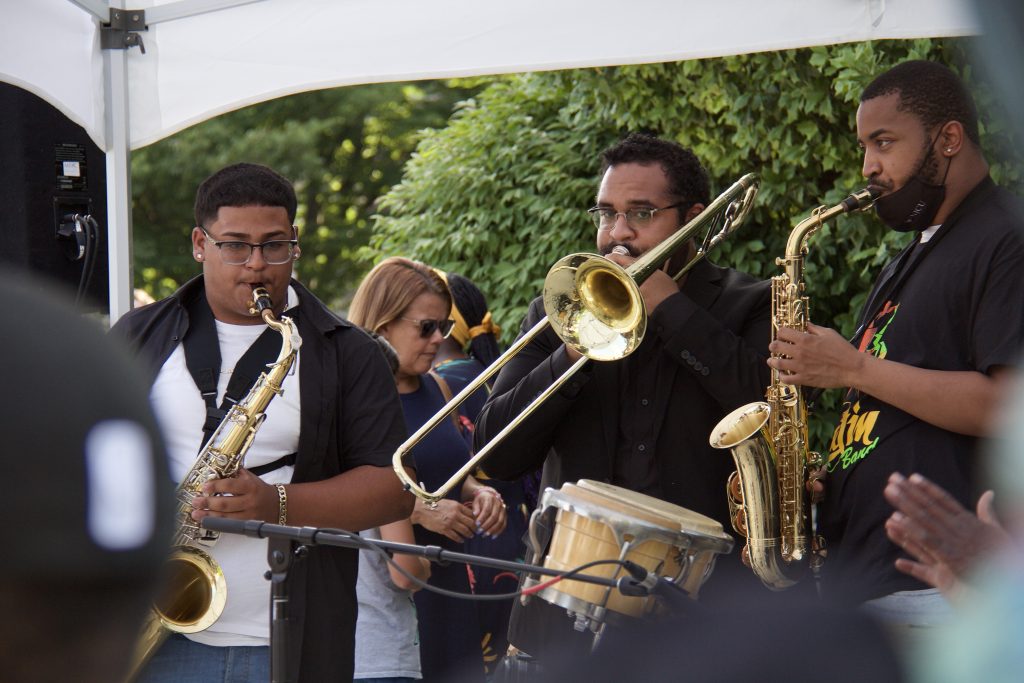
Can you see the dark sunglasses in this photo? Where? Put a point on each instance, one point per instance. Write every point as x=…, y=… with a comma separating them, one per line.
x=427, y=327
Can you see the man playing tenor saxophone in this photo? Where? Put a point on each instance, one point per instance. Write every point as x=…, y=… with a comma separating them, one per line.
x=321, y=458
x=937, y=337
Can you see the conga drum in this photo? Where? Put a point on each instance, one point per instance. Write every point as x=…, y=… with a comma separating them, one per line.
x=598, y=521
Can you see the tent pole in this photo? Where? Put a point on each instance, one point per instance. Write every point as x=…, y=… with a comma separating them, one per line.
x=119, y=185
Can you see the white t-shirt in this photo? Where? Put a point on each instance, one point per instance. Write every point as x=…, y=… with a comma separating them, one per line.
x=181, y=412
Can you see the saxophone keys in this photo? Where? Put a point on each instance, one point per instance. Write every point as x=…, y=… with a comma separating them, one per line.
x=739, y=522
x=735, y=488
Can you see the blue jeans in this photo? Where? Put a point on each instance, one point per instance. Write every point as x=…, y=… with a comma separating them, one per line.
x=919, y=608
x=179, y=660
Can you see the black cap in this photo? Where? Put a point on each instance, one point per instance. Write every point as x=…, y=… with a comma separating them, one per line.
x=87, y=490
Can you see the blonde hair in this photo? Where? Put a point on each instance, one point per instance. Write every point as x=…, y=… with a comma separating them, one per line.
x=388, y=290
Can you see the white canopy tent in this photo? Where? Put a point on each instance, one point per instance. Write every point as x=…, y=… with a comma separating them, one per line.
x=206, y=57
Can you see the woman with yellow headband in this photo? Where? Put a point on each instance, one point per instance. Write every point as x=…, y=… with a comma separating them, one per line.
x=471, y=347
x=473, y=343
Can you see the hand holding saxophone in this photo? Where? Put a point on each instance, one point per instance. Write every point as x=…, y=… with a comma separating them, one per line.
x=819, y=357
x=243, y=496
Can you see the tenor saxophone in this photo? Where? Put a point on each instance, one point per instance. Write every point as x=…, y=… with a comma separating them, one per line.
x=768, y=498
x=194, y=591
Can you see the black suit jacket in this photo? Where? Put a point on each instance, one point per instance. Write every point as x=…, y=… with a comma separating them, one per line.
x=717, y=331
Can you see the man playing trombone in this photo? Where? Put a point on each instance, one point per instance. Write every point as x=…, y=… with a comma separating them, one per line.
x=640, y=423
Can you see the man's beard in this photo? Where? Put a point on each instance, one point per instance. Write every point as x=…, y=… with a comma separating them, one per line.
x=913, y=207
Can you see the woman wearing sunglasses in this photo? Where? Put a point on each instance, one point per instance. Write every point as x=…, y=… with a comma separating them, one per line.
x=409, y=305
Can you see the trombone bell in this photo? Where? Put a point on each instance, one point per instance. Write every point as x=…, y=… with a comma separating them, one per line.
x=594, y=306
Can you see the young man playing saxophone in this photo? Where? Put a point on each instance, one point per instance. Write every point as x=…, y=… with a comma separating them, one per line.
x=322, y=457
x=938, y=335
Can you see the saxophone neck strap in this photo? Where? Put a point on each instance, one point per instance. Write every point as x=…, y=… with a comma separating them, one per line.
x=202, y=357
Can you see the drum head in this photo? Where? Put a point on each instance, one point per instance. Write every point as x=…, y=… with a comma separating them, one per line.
x=647, y=508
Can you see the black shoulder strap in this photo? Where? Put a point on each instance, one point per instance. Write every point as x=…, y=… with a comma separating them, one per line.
x=202, y=357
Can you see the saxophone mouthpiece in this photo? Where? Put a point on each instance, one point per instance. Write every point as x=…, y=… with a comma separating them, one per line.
x=861, y=200
x=260, y=301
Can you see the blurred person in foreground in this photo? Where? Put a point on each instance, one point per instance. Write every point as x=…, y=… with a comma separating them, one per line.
x=87, y=474
x=976, y=560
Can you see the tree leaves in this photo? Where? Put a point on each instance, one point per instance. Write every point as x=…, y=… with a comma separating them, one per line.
x=342, y=148
x=519, y=164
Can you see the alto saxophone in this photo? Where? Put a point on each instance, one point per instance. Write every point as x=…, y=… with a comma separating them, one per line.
x=768, y=499
x=194, y=590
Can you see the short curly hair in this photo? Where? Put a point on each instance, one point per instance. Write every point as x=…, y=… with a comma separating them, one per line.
x=687, y=179
x=931, y=92
x=243, y=184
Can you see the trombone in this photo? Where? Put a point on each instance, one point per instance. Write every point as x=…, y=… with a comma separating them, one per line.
x=594, y=306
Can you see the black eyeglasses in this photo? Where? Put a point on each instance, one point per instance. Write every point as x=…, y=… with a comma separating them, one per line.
x=604, y=218
x=428, y=326
x=236, y=253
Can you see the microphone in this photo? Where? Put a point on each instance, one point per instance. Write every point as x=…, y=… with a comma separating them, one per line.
x=639, y=583
x=642, y=583
x=244, y=527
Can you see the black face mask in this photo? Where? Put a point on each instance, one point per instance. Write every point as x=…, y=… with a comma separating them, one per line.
x=913, y=207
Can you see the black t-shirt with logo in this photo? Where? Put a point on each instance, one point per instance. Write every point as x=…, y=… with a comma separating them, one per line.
x=954, y=303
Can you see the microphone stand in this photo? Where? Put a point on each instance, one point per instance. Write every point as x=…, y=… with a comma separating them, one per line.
x=288, y=542
x=280, y=555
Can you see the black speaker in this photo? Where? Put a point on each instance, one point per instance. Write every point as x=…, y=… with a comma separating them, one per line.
x=53, y=197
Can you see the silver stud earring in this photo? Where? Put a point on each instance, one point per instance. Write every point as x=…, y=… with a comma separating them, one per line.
x=949, y=150
x=199, y=257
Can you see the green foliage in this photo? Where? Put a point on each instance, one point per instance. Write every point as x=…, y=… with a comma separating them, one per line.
x=342, y=148
x=500, y=193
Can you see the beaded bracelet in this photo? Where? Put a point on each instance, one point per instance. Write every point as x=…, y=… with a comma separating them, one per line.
x=282, y=505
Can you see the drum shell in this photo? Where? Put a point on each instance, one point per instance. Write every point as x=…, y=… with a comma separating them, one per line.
x=595, y=521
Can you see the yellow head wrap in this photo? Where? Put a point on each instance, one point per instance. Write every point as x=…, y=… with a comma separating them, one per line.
x=463, y=333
